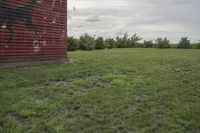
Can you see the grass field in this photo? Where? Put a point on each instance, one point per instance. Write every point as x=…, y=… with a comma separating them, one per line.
x=106, y=91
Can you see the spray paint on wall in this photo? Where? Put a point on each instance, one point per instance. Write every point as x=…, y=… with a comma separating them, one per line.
x=44, y=20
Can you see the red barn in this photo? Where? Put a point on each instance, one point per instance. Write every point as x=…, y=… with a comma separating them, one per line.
x=32, y=30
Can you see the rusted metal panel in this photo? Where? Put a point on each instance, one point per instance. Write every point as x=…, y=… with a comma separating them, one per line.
x=33, y=29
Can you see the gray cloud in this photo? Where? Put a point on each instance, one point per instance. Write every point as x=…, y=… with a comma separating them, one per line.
x=93, y=18
x=149, y=18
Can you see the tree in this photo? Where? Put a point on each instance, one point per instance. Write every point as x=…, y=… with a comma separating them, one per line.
x=87, y=42
x=110, y=43
x=163, y=43
x=134, y=40
x=100, y=43
x=148, y=44
x=122, y=42
x=73, y=44
x=184, y=43
x=198, y=44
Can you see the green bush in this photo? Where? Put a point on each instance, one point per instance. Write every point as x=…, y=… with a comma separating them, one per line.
x=162, y=43
x=184, y=43
x=174, y=45
x=100, y=44
x=193, y=45
x=139, y=45
x=73, y=44
x=198, y=45
x=110, y=43
x=122, y=42
x=148, y=44
x=134, y=41
x=87, y=42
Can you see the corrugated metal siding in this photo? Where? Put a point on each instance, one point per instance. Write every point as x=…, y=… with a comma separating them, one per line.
x=33, y=29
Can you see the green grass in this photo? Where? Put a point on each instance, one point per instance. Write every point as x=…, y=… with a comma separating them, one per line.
x=106, y=91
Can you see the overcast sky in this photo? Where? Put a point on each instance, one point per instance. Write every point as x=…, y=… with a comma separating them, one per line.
x=148, y=18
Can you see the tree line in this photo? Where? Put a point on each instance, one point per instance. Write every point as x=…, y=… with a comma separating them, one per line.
x=88, y=42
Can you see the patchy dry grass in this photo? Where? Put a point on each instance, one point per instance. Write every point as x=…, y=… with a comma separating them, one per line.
x=110, y=91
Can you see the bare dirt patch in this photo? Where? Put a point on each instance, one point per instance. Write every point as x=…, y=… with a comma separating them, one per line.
x=61, y=83
x=132, y=107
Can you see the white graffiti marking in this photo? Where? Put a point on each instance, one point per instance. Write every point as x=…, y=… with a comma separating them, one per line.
x=54, y=21
x=37, y=45
x=43, y=43
x=53, y=3
x=3, y=26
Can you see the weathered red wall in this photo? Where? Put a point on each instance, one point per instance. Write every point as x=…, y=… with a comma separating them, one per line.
x=49, y=22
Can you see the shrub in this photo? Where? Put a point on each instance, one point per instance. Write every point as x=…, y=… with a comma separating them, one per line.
x=139, y=45
x=184, y=43
x=193, y=45
x=73, y=44
x=126, y=42
x=174, y=45
x=134, y=40
x=163, y=43
x=87, y=42
x=198, y=45
x=122, y=42
x=110, y=43
x=148, y=44
x=100, y=44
